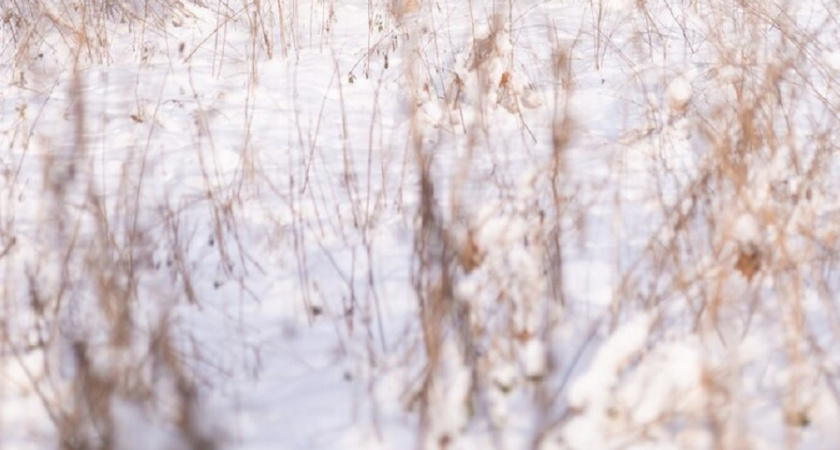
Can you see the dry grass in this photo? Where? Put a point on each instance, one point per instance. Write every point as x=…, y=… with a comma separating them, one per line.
x=759, y=160
x=718, y=207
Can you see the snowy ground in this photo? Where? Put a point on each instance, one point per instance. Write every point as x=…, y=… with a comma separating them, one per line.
x=212, y=228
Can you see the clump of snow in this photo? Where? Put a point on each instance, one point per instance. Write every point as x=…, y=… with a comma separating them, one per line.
x=535, y=359
x=746, y=230
x=592, y=390
x=504, y=376
x=832, y=60
x=662, y=392
x=678, y=94
x=667, y=380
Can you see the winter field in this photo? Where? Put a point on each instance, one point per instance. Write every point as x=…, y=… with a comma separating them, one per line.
x=419, y=224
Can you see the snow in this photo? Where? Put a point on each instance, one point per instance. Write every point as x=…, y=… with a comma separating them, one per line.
x=678, y=93
x=832, y=60
x=209, y=219
x=590, y=391
x=746, y=229
x=535, y=359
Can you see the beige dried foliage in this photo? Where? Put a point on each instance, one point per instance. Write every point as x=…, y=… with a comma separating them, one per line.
x=398, y=8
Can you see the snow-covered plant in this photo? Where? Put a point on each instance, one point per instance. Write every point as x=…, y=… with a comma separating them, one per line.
x=425, y=224
x=484, y=74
